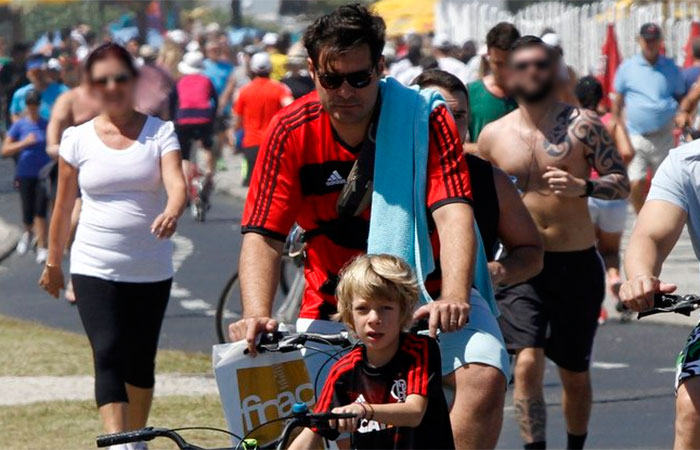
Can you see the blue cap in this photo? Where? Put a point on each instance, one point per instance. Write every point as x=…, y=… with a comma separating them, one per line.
x=36, y=62
x=300, y=408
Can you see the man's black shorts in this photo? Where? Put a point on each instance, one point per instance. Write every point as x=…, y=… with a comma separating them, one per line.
x=558, y=309
x=189, y=134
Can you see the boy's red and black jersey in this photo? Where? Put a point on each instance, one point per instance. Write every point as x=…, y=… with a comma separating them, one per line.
x=415, y=369
x=301, y=169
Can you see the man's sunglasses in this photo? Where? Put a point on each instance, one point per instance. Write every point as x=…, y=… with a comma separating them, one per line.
x=121, y=78
x=357, y=80
x=541, y=64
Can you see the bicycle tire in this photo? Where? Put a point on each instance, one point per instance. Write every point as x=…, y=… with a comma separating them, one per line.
x=221, y=328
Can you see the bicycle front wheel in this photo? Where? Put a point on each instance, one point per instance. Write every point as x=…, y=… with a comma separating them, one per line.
x=225, y=314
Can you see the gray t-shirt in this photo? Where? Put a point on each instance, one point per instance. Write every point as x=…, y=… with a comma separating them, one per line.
x=677, y=181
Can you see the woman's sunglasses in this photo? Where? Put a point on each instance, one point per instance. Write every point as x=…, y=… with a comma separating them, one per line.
x=357, y=80
x=119, y=79
x=541, y=64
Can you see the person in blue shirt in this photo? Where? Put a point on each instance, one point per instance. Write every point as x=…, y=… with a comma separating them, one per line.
x=26, y=141
x=649, y=86
x=672, y=204
x=38, y=81
x=218, y=70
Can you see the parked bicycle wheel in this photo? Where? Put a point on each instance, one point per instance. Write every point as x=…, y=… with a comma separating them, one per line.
x=229, y=299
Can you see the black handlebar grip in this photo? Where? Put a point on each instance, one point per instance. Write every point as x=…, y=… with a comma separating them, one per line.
x=144, y=434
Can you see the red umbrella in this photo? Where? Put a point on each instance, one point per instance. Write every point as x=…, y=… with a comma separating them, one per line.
x=611, y=60
x=694, y=32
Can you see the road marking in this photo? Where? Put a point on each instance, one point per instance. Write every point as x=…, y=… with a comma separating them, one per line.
x=178, y=291
x=184, y=247
x=665, y=370
x=609, y=365
x=195, y=305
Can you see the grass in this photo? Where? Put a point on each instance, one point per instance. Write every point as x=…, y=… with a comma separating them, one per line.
x=74, y=425
x=30, y=349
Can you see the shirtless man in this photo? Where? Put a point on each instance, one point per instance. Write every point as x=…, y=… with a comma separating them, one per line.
x=551, y=148
x=71, y=109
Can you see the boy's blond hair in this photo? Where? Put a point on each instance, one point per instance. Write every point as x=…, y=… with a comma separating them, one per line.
x=377, y=276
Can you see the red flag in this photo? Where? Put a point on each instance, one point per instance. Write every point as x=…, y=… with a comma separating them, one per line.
x=611, y=60
x=694, y=32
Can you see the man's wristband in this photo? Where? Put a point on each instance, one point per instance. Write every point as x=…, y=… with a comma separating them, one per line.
x=589, y=189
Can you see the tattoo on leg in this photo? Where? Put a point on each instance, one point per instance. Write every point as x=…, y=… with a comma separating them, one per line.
x=531, y=414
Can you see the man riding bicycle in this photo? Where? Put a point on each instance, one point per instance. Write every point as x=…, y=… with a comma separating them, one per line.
x=311, y=150
x=673, y=201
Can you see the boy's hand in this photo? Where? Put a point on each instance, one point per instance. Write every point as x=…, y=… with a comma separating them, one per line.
x=349, y=425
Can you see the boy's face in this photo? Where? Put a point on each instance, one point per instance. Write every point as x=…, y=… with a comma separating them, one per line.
x=377, y=323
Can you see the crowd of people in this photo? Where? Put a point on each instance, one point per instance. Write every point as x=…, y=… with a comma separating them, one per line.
x=497, y=183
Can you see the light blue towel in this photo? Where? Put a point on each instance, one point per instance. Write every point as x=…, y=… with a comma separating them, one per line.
x=399, y=221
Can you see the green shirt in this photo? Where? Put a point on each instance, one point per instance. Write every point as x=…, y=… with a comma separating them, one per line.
x=484, y=107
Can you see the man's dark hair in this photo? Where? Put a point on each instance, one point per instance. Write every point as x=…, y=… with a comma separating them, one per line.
x=530, y=42
x=502, y=36
x=442, y=79
x=344, y=29
x=696, y=48
x=428, y=62
x=589, y=92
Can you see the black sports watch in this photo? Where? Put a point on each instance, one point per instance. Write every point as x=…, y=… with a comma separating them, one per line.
x=589, y=188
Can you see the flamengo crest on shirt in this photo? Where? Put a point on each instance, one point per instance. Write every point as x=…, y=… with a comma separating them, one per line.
x=335, y=179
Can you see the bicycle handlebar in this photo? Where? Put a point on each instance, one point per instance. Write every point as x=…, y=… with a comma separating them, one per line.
x=283, y=341
x=679, y=304
x=144, y=434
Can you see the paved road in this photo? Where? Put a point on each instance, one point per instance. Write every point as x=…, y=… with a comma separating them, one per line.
x=633, y=362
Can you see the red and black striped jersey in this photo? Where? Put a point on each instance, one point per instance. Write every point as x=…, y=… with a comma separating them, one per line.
x=414, y=369
x=301, y=168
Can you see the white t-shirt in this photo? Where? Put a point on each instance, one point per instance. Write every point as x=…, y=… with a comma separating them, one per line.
x=122, y=193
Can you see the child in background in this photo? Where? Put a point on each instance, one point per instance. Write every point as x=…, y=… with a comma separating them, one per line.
x=392, y=381
x=26, y=141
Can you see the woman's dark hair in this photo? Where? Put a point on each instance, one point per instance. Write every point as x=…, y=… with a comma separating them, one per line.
x=440, y=78
x=110, y=50
x=589, y=92
x=344, y=29
x=502, y=36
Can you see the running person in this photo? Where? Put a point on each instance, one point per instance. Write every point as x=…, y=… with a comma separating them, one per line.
x=71, y=109
x=501, y=216
x=26, y=140
x=672, y=203
x=608, y=216
x=550, y=148
x=308, y=153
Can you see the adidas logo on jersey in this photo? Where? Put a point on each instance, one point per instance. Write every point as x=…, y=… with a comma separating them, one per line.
x=335, y=179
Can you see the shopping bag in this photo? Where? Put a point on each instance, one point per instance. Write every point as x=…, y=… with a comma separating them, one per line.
x=257, y=390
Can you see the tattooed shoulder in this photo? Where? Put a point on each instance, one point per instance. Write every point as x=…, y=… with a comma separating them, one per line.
x=557, y=142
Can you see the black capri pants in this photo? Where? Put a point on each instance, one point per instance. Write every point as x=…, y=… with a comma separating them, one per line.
x=122, y=321
x=34, y=200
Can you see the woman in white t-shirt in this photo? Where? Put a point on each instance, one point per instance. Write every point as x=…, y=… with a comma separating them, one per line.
x=128, y=167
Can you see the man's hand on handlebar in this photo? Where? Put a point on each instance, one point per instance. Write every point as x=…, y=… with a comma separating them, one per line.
x=249, y=329
x=446, y=314
x=637, y=293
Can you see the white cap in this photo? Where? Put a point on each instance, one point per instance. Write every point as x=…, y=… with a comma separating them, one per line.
x=260, y=63
x=177, y=36
x=192, y=62
x=441, y=41
x=53, y=64
x=148, y=52
x=270, y=39
x=212, y=28
x=192, y=46
x=552, y=39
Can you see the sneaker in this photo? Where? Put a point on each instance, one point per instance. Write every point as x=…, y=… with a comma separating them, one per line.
x=24, y=243
x=42, y=254
x=603, y=317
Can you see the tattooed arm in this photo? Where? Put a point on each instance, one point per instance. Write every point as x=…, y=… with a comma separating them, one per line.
x=602, y=155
